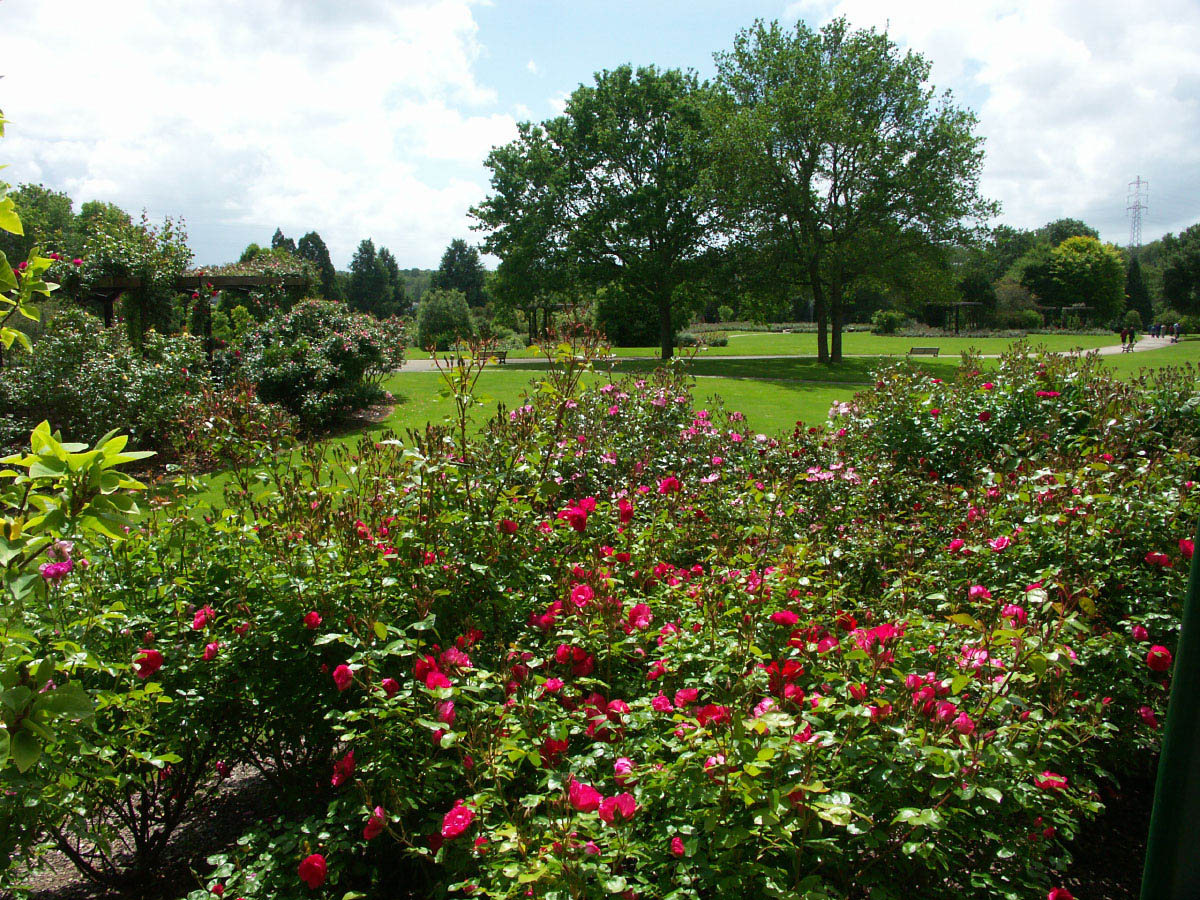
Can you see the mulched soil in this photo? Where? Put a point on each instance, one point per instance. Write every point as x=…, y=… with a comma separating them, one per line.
x=1108, y=853
x=242, y=798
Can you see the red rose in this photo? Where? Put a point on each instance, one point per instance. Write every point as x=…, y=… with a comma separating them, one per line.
x=313, y=870
x=677, y=846
x=147, y=662
x=457, y=820
x=713, y=715
x=343, y=677
x=507, y=526
x=375, y=824
x=1159, y=658
x=1187, y=548
x=1060, y=894
x=622, y=806
x=390, y=686
x=312, y=620
x=210, y=651
x=583, y=797
x=1050, y=781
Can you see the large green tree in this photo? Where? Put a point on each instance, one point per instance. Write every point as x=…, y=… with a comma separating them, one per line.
x=832, y=147
x=1054, y=233
x=525, y=226
x=1181, y=270
x=367, y=289
x=48, y=220
x=312, y=248
x=618, y=205
x=461, y=270
x=279, y=242
x=1137, y=295
x=1088, y=273
x=396, y=301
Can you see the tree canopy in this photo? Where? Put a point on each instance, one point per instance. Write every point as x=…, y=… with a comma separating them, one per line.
x=606, y=191
x=461, y=270
x=832, y=149
x=313, y=249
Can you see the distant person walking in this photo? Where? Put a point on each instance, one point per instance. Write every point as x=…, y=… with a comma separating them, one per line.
x=1175, y=329
x=1124, y=338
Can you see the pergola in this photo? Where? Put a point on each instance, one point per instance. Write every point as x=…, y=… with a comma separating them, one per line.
x=106, y=291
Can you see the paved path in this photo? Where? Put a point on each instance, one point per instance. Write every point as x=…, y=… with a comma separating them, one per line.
x=1143, y=344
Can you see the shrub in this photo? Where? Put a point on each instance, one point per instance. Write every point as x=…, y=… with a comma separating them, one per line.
x=888, y=321
x=86, y=380
x=617, y=643
x=725, y=313
x=443, y=318
x=320, y=361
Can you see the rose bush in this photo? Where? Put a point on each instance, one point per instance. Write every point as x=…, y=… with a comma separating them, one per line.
x=618, y=644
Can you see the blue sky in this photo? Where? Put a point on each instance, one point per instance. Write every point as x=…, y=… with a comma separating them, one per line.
x=371, y=118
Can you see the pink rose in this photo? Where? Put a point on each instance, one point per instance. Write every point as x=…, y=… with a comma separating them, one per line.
x=457, y=820
x=343, y=677
x=583, y=797
x=210, y=651
x=999, y=543
x=622, y=807
x=147, y=662
x=1050, y=781
x=677, y=847
x=312, y=620
x=375, y=824
x=784, y=617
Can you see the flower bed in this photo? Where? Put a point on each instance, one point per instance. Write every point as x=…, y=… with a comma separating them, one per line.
x=619, y=645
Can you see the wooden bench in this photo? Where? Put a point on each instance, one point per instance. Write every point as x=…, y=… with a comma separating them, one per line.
x=499, y=355
x=922, y=351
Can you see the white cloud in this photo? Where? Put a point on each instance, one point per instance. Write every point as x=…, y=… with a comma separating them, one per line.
x=358, y=119
x=1074, y=99
x=558, y=102
x=532, y=67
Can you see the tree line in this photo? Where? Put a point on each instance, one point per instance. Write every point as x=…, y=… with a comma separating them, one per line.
x=818, y=174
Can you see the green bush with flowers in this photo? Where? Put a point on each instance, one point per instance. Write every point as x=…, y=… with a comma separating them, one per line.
x=320, y=360
x=621, y=645
x=88, y=379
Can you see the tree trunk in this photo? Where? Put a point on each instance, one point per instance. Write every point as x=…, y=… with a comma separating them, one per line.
x=835, y=319
x=665, y=332
x=820, y=313
x=531, y=315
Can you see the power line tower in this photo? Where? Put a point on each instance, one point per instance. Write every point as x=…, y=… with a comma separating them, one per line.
x=1137, y=200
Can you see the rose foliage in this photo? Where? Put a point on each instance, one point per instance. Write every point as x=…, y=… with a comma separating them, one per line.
x=617, y=644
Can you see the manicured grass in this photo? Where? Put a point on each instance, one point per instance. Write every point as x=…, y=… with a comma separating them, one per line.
x=768, y=406
x=856, y=344
x=851, y=370
x=1186, y=352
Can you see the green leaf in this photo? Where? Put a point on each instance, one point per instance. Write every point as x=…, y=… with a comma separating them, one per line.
x=26, y=749
x=4, y=746
x=380, y=630
x=9, y=220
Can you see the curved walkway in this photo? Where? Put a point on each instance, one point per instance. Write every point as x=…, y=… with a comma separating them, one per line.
x=1143, y=344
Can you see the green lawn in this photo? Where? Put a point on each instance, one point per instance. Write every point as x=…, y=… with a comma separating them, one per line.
x=772, y=393
x=769, y=406
x=855, y=344
x=1186, y=352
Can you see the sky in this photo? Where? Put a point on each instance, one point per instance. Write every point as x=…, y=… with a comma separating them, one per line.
x=372, y=118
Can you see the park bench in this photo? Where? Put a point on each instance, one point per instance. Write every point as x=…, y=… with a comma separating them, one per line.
x=922, y=351
x=501, y=356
